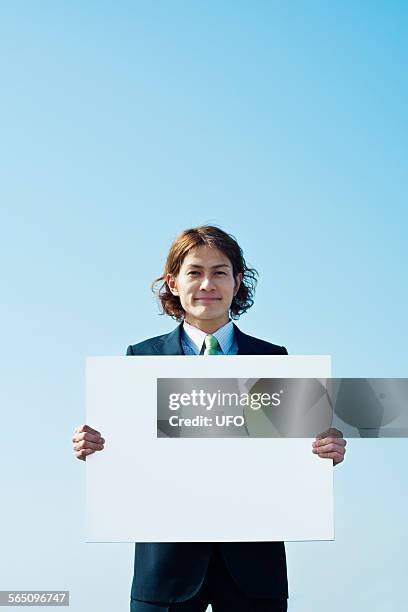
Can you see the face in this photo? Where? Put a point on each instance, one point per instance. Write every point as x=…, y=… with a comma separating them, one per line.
x=206, y=287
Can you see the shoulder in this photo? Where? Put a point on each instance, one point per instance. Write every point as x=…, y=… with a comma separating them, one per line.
x=146, y=347
x=268, y=348
x=257, y=346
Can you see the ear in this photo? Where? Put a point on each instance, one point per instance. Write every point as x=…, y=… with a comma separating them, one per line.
x=238, y=280
x=172, y=283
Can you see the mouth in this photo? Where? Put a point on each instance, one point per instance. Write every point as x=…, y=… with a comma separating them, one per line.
x=206, y=299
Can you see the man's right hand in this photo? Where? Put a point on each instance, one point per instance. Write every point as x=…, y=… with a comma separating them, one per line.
x=86, y=441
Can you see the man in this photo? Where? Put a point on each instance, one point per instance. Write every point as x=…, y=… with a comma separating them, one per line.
x=205, y=282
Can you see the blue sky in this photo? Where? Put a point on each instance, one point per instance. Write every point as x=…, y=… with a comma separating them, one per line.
x=124, y=123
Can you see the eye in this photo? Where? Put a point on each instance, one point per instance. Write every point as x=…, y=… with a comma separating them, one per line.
x=220, y=272
x=193, y=272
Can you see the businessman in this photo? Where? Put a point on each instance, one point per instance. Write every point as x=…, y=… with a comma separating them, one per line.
x=205, y=285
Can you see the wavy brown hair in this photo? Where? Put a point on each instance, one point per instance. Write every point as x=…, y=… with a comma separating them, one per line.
x=212, y=236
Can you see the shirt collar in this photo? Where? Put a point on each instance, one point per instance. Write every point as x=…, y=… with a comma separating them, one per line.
x=224, y=335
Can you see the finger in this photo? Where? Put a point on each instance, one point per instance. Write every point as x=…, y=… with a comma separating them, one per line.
x=83, y=453
x=87, y=428
x=324, y=441
x=87, y=444
x=87, y=436
x=333, y=455
x=337, y=457
x=330, y=447
x=330, y=432
x=337, y=442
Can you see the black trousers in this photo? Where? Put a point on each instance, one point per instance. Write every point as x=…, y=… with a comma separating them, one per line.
x=219, y=590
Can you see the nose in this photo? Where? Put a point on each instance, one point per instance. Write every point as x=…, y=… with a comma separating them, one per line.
x=207, y=284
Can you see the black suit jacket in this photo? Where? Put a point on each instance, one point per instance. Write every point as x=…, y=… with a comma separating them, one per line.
x=173, y=572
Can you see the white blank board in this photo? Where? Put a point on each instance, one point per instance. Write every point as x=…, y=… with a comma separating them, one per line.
x=141, y=488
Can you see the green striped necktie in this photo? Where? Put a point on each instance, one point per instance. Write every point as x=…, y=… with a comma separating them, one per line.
x=211, y=345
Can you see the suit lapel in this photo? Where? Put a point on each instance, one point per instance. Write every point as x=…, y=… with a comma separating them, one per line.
x=170, y=344
x=245, y=343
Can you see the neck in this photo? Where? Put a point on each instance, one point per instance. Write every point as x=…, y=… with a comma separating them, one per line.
x=207, y=326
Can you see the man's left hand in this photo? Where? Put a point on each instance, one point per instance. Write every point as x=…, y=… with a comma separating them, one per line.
x=330, y=444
